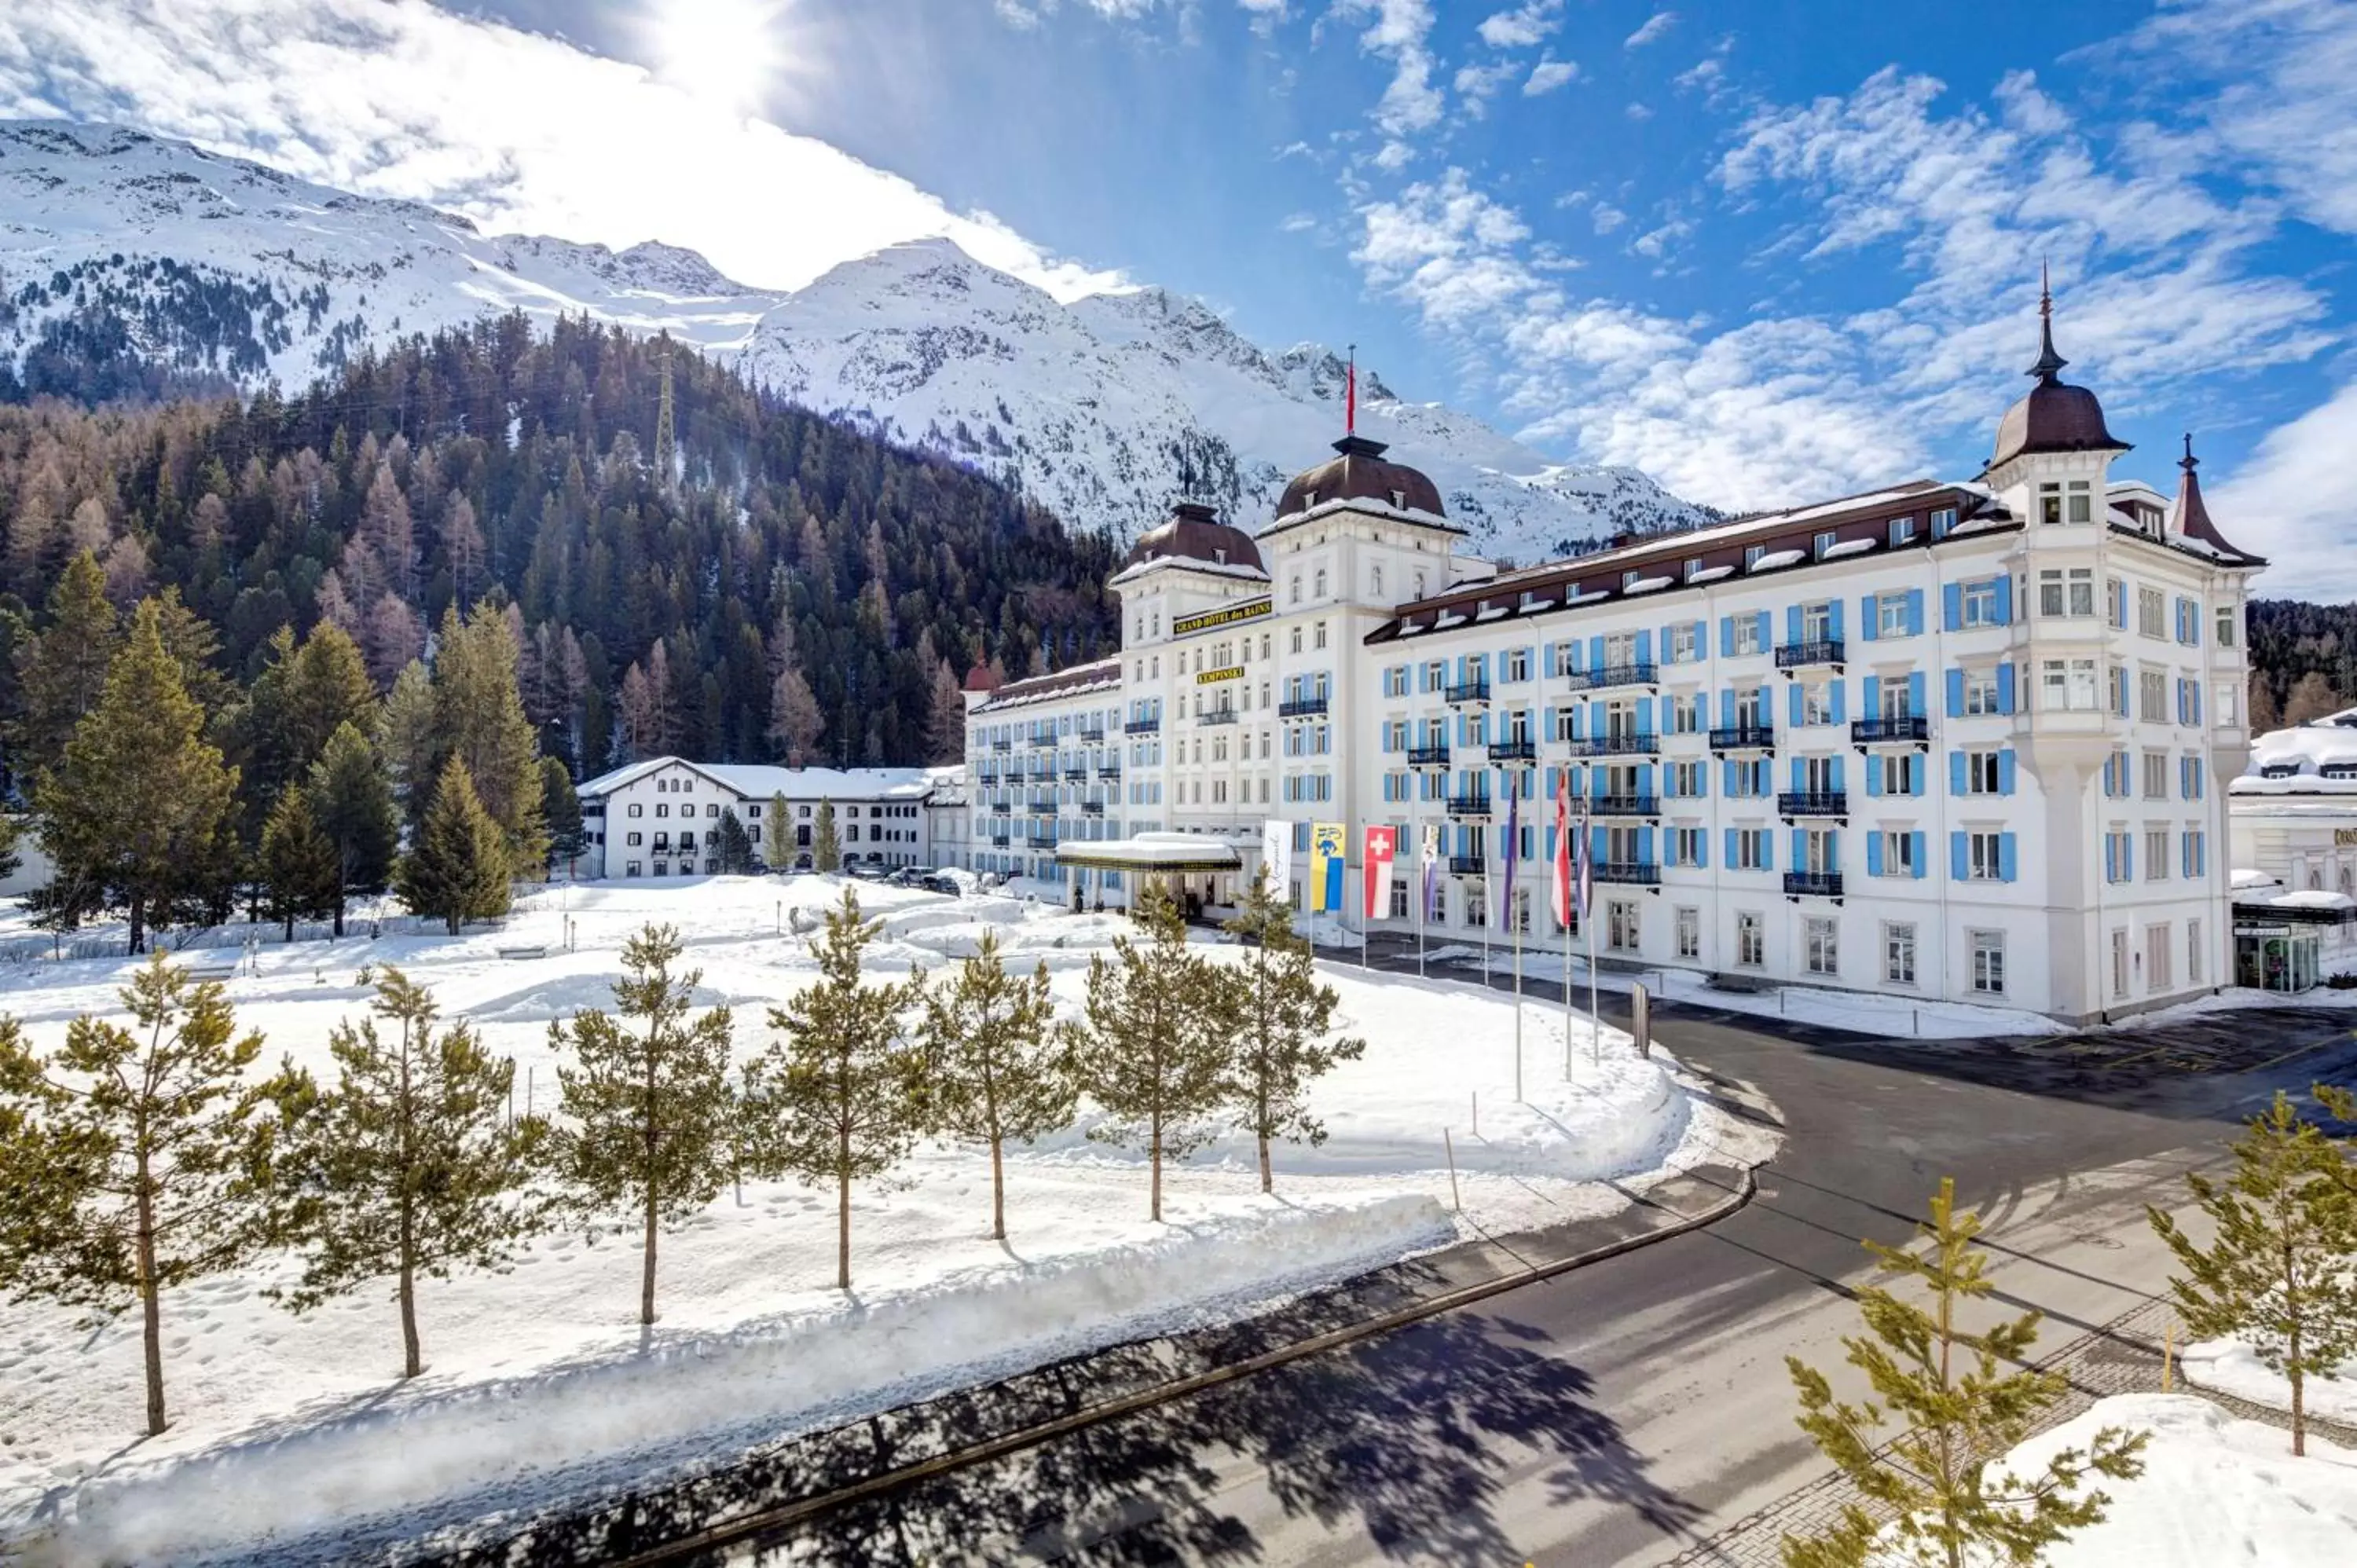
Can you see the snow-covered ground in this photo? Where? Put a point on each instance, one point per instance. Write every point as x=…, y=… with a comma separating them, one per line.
x=2215, y=1490
x=2230, y=1367
x=539, y=1383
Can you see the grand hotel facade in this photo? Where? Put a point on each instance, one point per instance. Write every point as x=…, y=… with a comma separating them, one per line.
x=1962, y=740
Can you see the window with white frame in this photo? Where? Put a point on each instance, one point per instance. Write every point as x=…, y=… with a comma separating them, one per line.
x=1899, y=953
x=1621, y=926
x=1685, y=714
x=1744, y=634
x=1689, y=932
x=1822, y=946
x=1983, y=775
x=1984, y=855
x=1980, y=693
x=2156, y=854
x=1685, y=779
x=2066, y=592
x=1817, y=702
x=2158, y=950
x=2227, y=619
x=2070, y=686
x=1686, y=846
x=1987, y=949
x=1750, y=849
x=1902, y=530
x=1683, y=645
x=1750, y=942
x=2152, y=613
x=1979, y=602
x=2192, y=953
x=1900, y=769
x=1898, y=852
x=1891, y=615
x=1517, y=664
x=2152, y=696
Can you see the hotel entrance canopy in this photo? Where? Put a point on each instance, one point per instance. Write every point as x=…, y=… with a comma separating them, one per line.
x=1151, y=854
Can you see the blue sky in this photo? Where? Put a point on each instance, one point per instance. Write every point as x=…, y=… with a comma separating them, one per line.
x=1768, y=253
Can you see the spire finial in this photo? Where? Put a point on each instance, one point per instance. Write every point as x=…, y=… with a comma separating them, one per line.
x=2188, y=462
x=2049, y=363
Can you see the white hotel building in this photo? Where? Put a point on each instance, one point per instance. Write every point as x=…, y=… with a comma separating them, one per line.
x=1958, y=740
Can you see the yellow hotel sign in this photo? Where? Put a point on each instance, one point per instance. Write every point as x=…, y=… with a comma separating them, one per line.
x=1233, y=672
x=1228, y=616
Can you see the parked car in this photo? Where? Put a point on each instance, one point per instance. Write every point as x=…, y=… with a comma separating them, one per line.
x=863, y=871
x=934, y=882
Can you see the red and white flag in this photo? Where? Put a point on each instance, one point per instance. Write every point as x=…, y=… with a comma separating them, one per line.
x=1561, y=889
x=1382, y=843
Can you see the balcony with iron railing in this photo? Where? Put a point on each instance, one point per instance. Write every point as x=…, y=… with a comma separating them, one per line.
x=1109, y=773
x=1466, y=692
x=1468, y=864
x=1427, y=756
x=1090, y=737
x=1625, y=806
x=1629, y=744
x=1900, y=729
x=1469, y=806
x=1631, y=672
x=1629, y=872
x=1002, y=746
x=1045, y=739
x=1522, y=749
x=1813, y=885
x=1302, y=708
x=1809, y=654
x=1217, y=716
x=1142, y=727
x=1743, y=737
x=1040, y=841
x=1793, y=803
x=998, y=841
x=1093, y=808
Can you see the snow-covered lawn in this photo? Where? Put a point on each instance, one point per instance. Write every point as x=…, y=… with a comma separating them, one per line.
x=2215, y=1490
x=539, y=1384
x=2233, y=1368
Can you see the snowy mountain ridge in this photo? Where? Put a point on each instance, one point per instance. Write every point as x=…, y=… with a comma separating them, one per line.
x=114, y=242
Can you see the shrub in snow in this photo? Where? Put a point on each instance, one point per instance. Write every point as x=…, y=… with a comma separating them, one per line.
x=130, y=1162
x=1278, y=1018
x=996, y=1065
x=407, y=1164
x=1151, y=1048
x=647, y=1105
x=2276, y=1271
x=839, y=1098
x=1956, y=1413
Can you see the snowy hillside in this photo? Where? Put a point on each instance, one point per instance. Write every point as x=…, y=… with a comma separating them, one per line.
x=113, y=243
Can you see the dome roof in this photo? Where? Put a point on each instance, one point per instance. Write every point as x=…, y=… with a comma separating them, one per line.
x=2054, y=416
x=1359, y=472
x=1194, y=532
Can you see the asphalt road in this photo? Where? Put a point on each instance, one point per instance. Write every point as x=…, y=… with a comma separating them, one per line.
x=1622, y=1412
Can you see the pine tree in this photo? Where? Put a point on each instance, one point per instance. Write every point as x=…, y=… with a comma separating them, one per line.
x=777, y=844
x=408, y=1163
x=352, y=801
x=1150, y=1050
x=837, y=1097
x=478, y=718
x=151, y=1154
x=61, y=672
x=560, y=811
x=406, y=738
x=795, y=721
x=996, y=1065
x=1954, y=1421
x=735, y=847
x=303, y=696
x=1278, y=1018
x=140, y=804
x=648, y=1115
x=945, y=720
x=299, y=864
x=826, y=849
x=459, y=870
x=2276, y=1271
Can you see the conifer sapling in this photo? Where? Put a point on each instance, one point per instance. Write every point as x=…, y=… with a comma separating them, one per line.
x=1279, y=1019
x=996, y=1067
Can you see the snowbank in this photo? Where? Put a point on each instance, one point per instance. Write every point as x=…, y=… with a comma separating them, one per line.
x=2233, y=1368
x=2214, y=1490
x=435, y=1439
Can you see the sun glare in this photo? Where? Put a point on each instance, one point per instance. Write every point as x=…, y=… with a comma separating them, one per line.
x=726, y=53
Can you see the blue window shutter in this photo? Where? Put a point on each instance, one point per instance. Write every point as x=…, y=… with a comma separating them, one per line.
x=1646, y=777
x=2005, y=771
x=1762, y=623
x=1914, y=612
x=1797, y=768
x=1833, y=619
x=1726, y=707
x=1869, y=625
x=1792, y=704
x=1792, y=623
x=1767, y=850
x=1645, y=846
x=1955, y=693
x=1701, y=638
x=2128, y=859
x=1841, y=706
x=1916, y=839
x=1873, y=777
x=1840, y=783
x=2197, y=702
x=2111, y=858
x=2186, y=854
x=2005, y=600
x=1800, y=848
x=1730, y=849
x=1727, y=766
x=1701, y=849
x=1955, y=773
x=1726, y=637
x=1952, y=606
x=1596, y=653
x=1873, y=693
x=1915, y=701
x=1644, y=717
x=1645, y=645
x=1960, y=861
x=1919, y=773
x=2005, y=688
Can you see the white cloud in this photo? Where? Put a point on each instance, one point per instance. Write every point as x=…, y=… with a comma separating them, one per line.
x=1522, y=28
x=520, y=132
x=1476, y=84
x=1401, y=30
x=1297, y=223
x=1638, y=112
x=2295, y=501
x=1657, y=24
x=1548, y=75
x=1609, y=216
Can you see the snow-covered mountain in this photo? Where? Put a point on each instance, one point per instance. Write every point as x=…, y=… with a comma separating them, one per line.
x=112, y=241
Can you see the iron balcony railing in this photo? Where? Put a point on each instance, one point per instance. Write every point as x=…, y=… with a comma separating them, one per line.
x=1802, y=655
x=1625, y=806
x=1468, y=864
x=1002, y=746
x=1469, y=805
x=1427, y=756
x=1647, y=745
x=1076, y=775
x=1466, y=691
x=1522, y=750
x=1813, y=885
x=1217, y=716
x=1629, y=872
x=1813, y=803
x=1743, y=737
x=1635, y=672
x=1142, y=727
x=1905, y=727
x=1090, y=737
x=1040, y=841
x=1046, y=739
x=1093, y=808
x=1301, y=708
x=1109, y=773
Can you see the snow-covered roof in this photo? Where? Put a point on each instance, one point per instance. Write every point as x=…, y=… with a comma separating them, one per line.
x=2245, y=877
x=2301, y=753
x=1775, y=558
x=1850, y=547
x=1647, y=584
x=759, y=781
x=1150, y=852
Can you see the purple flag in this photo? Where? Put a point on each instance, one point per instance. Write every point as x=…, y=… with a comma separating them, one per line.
x=1514, y=843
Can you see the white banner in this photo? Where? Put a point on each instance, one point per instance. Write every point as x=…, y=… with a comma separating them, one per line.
x=1276, y=856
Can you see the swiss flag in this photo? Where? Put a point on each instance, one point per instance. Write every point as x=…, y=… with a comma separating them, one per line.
x=1382, y=843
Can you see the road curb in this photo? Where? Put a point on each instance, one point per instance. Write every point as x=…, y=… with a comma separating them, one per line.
x=1145, y=1399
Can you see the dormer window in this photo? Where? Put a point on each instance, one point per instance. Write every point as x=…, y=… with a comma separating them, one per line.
x=2280, y=770
x=1628, y=581
x=1219, y=554
x=1399, y=500
x=2083, y=503
x=2338, y=770
x=2050, y=503
x=1309, y=499
x=1902, y=530
x=1751, y=553
x=1824, y=544
x=1694, y=567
